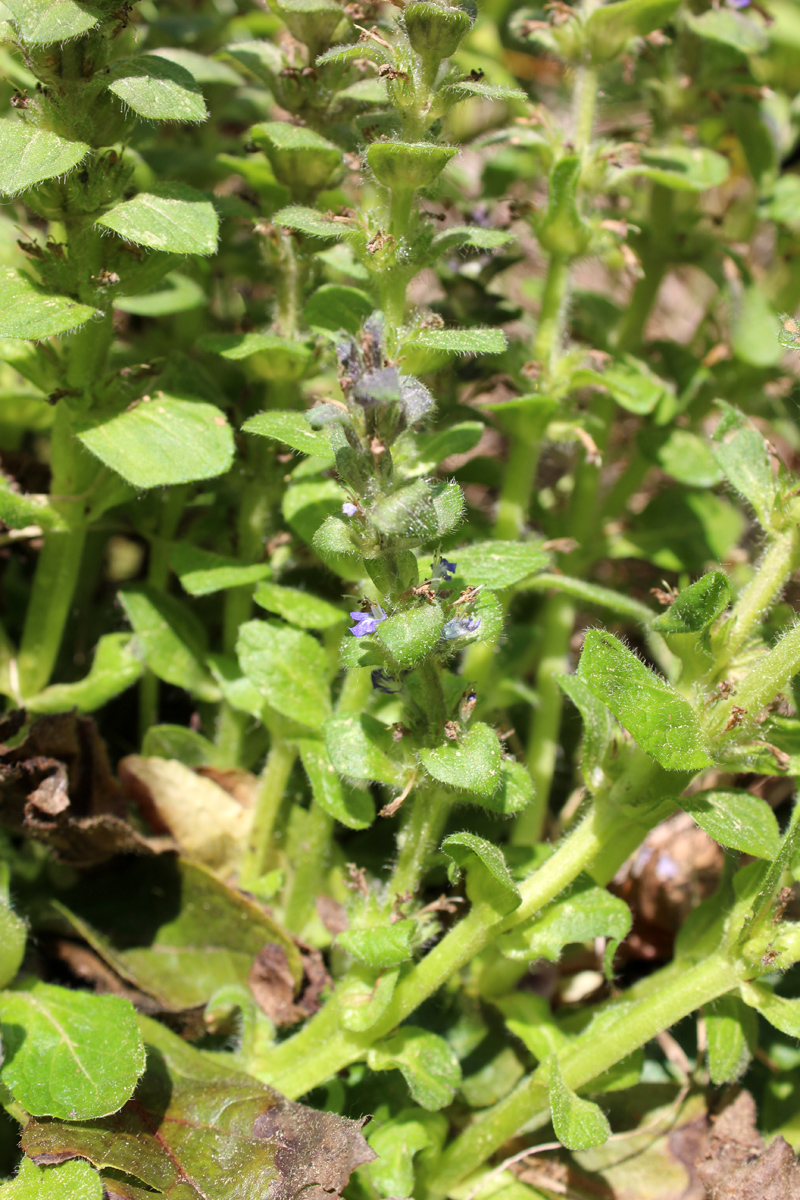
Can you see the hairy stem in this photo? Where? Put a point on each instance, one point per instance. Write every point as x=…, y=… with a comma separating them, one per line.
x=418, y=839
x=54, y=584
x=274, y=779
x=310, y=864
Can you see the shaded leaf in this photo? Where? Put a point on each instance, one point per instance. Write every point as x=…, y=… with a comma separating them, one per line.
x=175, y=293
x=353, y=807
x=190, y=934
x=745, y=461
x=312, y=222
x=755, y=327
x=488, y=878
x=611, y=26
x=335, y=306
x=529, y=1018
x=171, y=639
x=733, y=29
x=696, y=607
x=29, y=155
x=202, y=572
x=157, y=88
x=281, y=359
x=115, y=667
x=682, y=168
x=364, y=996
x=428, y=1065
x=598, y=726
x=515, y=791
x=781, y=1012
x=174, y=217
x=585, y=913
x=475, y=237
x=289, y=668
x=200, y=1131
x=663, y=723
x=732, y=1032
x=397, y=1142
x=28, y=312
x=69, y=1054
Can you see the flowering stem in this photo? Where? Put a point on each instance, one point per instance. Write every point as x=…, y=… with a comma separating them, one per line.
x=57, y=573
x=274, y=779
x=418, y=839
x=431, y=676
x=767, y=678
x=551, y=317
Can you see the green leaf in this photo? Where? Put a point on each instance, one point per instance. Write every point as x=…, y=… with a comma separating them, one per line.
x=364, y=996
x=500, y=564
x=335, y=306
x=578, y=1124
x=175, y=293
x=459, y=341
x=359, y=746
x=262, y=59
x=472, y=764
x=18, y=510
x=466, y=88
x=13, y=938
x=292, y=429
x=202, y=68
x=289, y=668
x=562, y=230
x=729, y=28
x=298, y=608
x=174, y=217
x=333, y=538
x=405, y=166
x=73, y=1180
x=611, y=26
x=488, y=877
x=29, y=155
x=114, y=669
x=301, y=159
x=782, y=1013
x=755, y=328
x=474, y=237
x=42, y=22
x=736, y=819
x=598, y=727
x=682, y=168
x=428, y=1065
x=398, y=1141
x=457, y=439
x=696, y=607
x=199, y=1130
x=147, y=444
x=178, y=742
x=312, y=222
x=202, y=572
x=382, y=947
x=200, y=934
x=171, y=640
x=515, y=791
x=69, y=1054
x=632, y=385
x=687, y=458
x=353, y=807
x=584, y=913
x=158, y=89
x=529, y=1018
x=411, y=634
x=663, y=722
x=732, y=1032
x=745, y=461
x=28, y=312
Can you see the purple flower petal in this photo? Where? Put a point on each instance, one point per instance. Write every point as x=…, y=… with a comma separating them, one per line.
x=349, y=509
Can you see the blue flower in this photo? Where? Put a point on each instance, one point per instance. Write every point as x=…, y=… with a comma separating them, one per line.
x=738, y=3
x=460, y=627
x=367, y=622
x=349, y=509
x=443, y=569
x=383, y=682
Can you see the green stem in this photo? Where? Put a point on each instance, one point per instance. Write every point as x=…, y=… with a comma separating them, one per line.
x=655, y=259
x=54, y=586
x=768, y=677
x=321, y=1049
x=310, y=865
x=769, y=579
x=551, y=316
x=559, y=619
x=518, y=480
x=430, y=673
x=585, y=104
x=274, y=779
x=586, y=1058
x=418, y=839
x=174, y=502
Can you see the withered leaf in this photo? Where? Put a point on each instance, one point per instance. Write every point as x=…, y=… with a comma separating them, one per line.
x=273, y=986
x=172, y=929
x=196, y=1131
x=56, y=786
x=737, y=1167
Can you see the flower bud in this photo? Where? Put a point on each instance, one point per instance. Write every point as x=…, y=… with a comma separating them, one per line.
x=311, y=21
x=405, y=166
x=434, y=30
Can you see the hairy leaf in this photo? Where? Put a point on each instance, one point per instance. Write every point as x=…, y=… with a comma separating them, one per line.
x=289, y=668
x=42, y=22
x=170, y=638
x=429, y=1066
x=500, y=564
x=359, y=745
x=28, y=312
x=351, y=806
x=381, y=947
x=76, y=1180
x=585, y=913
x=488, y=877
x=157, y=88
x=292, y=429
x=69, y=1054
x=736, y=819
x=115, y=667
x=202, y=572
x=579, y=1124
x=29, y=155
x=174, y=217
x=732, y=1032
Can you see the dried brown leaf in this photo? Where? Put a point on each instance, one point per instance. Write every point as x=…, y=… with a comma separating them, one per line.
x=272, y=984
x=737, y=1167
